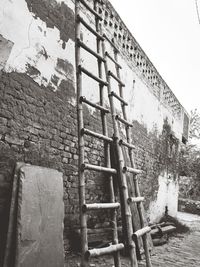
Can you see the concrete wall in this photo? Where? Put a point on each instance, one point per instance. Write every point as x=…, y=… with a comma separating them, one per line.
x=38, y=103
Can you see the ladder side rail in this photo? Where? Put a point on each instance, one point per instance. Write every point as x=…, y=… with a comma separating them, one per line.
x=119, y=84
x=140, y=207
x=124, y=195
x=107, y=146
x=127, y=130
x=81, y=146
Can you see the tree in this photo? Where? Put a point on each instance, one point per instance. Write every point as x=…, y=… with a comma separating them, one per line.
x=189, y=160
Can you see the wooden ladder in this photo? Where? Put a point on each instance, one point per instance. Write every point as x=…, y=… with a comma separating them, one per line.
x=82, y=132
x=101, y=55
x=134, y=198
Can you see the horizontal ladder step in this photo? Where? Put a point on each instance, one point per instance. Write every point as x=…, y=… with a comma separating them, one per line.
x=88, y=73
x=103, y=251
x=91, y=9
x=99, y=36
x=111, y=43
x=99, y=107
x=163, y=230
x=118, y=97
x=81, y=44
x=97, y=135
x=132, y=170
x=117, y=117
x=96, y=206
x=113, y=60
x=141, y=232
x=91, y=167
x=135, y=199
x=116, y=78
x=123, y=143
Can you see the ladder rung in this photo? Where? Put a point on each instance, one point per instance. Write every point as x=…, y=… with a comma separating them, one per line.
x=113, y=60
x=122, y=142
x=111, y=43
x=83, y=99
x=117, y=117
x=141, y=232
x=80, y=43
x=96, y=206
x=88, y=73
x=103, y=251
x=97, y=135
x=99, y=36
x=164, y=229
x=118, y=97
x=135, y=199
x=86, y=166
x=91, y=10
x=116, y=78
x=132, y=170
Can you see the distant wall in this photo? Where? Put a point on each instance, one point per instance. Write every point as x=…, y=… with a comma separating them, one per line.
x=189, y=206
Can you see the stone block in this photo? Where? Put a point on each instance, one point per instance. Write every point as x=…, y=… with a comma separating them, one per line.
x=40, y=218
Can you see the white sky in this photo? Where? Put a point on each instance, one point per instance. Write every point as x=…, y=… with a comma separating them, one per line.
x=169, y=33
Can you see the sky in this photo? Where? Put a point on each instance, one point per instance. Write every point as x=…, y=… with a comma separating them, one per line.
x=169, y=33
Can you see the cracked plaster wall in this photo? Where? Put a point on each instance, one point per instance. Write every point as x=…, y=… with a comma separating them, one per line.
x=37, y=45
x=37, y=92
x=37, y=82
x=148, y=109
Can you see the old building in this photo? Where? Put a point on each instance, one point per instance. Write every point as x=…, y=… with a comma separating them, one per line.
x=38, y=117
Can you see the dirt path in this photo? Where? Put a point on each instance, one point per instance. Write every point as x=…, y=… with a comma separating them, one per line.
x=180, y=251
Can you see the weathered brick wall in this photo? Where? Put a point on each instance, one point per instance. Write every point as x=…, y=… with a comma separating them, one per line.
x=38, y=126
x=38, y=121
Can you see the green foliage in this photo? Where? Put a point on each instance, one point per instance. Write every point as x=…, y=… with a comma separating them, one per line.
x=194, y=124
x=189, y=160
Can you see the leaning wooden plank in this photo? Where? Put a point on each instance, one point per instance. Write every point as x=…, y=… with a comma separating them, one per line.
x=40, y=218
x=11, y=234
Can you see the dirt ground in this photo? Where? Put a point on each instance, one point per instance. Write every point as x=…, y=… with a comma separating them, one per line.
x=181, y=250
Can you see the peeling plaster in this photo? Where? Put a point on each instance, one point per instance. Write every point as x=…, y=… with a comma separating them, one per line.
x=35, y=45
x=5, y=50
x=167, y=195
x=54, y=14
x=144, y=106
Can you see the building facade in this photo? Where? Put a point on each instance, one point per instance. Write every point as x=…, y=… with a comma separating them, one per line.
x=38, y=117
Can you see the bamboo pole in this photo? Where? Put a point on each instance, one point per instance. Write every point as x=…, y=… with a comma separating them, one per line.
x=97, y=135
x=85, y=166
x=81, y=145
x=106, y=145
x=104, y=251
x=140, y=207
x=94, y=105
x=135, y=199
x=126, y=212
x=142, y=231
x=96, y=206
